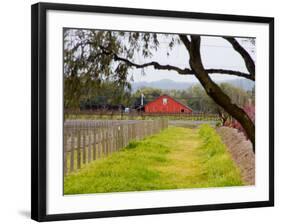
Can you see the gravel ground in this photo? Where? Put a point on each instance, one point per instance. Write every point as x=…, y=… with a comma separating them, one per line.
x=190, y=124
x=241, y=150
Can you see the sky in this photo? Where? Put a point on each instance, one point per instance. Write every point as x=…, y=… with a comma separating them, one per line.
x=215, y=51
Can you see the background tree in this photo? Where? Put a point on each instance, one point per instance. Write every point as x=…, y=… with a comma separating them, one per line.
x=198, y=99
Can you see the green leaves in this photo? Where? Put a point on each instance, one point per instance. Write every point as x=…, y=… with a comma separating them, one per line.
x=89, y=59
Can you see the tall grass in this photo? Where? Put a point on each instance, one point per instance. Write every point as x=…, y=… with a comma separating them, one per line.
x=176, y=158
x=219, y=168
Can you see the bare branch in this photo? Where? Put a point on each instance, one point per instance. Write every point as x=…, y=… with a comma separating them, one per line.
x=156, y=65
x=185, y=71
x=185, y=41
x=230, y=72
x=250, y=64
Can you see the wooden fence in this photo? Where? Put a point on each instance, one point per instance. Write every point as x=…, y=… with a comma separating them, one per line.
x=88, y=114
x=89, y=140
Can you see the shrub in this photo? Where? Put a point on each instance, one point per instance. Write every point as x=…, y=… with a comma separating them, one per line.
x=250, y=110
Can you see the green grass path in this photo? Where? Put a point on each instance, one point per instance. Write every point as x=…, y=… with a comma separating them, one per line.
x=175, y=158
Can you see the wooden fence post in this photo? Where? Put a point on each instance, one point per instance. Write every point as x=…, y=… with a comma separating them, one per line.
x=65, y=134
x=78, y=149
x=72, y=150
x=94, y=144
x=90, y=143
x=84, y=144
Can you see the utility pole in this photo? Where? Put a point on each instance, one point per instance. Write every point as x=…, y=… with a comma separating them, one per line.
x=142, y=96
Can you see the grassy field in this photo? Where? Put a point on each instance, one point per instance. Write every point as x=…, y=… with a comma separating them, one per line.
x=176, y=158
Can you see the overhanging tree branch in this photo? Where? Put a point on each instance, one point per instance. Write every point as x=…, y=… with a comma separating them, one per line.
x=185, y=41
x=250, y=64
x=215, y=92
x=185, y=71
x=229, y=72
x=155, y=64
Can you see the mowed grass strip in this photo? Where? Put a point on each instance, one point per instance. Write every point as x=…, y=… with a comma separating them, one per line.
x=175, y=158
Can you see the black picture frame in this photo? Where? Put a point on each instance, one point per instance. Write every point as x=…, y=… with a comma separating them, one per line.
x=39, y=107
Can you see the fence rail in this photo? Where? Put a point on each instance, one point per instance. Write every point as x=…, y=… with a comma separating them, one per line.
x=89, y=140
x=139, y=115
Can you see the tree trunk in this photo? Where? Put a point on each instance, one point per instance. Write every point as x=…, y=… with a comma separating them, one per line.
x=214, y=91
x=222, y=116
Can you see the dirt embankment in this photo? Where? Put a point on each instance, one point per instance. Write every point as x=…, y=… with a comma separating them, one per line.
x=241, y=150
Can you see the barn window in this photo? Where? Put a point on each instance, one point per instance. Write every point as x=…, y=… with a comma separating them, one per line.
x=165, y=101
x=182, y=110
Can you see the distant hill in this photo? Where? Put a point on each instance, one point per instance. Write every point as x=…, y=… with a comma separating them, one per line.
x=163, y=84
x=170, y=84
x=245, y=84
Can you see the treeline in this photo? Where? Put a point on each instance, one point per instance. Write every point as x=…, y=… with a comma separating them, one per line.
x=85, y=94
x=196, y=98
x=80, y=93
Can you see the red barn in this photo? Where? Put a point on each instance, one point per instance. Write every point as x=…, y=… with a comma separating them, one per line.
x=166, y=104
